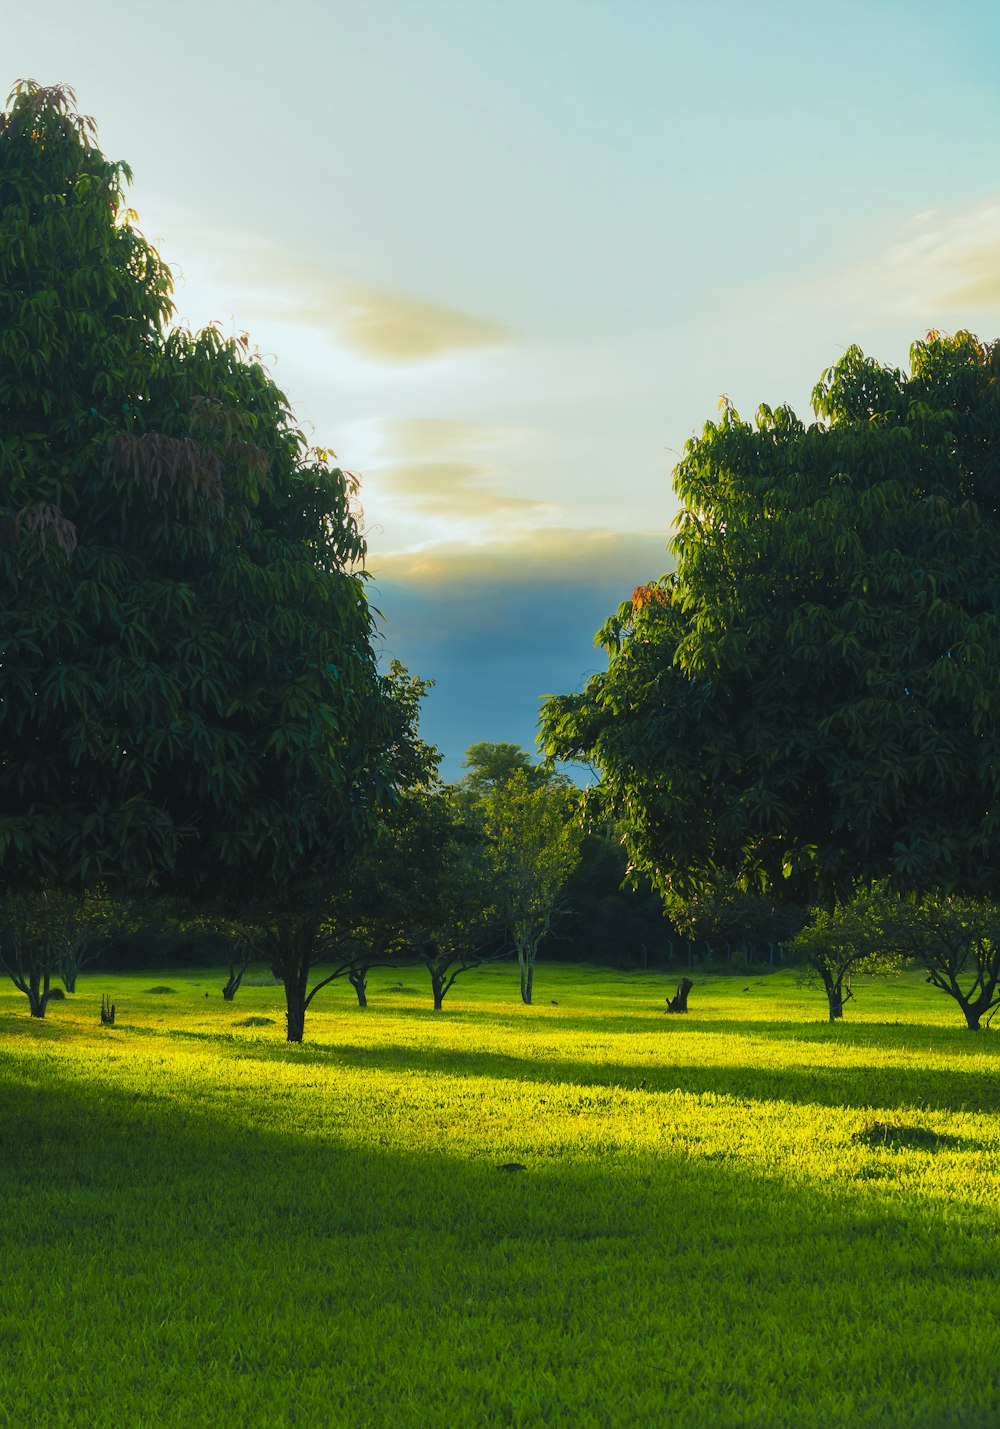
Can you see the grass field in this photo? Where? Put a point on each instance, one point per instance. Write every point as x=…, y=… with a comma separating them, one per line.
x=741, y=1217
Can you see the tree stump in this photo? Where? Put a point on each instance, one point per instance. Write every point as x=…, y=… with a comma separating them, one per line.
x=107, y=1012
x=679, y=1002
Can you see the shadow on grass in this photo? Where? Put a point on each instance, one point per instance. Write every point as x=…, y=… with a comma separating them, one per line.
x=860, y=1085
x=416, y=1287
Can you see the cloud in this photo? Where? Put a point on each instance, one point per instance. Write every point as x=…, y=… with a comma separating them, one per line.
x=451, y=469
x=548, y=556
x=460, y=488
x=948, y=264
x=376, y=323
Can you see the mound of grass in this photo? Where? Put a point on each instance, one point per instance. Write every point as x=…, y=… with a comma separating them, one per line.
x=255, y=1022
x=895, y=1137
x=160, y=989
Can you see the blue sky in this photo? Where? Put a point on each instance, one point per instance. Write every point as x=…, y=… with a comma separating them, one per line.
x=505, y=257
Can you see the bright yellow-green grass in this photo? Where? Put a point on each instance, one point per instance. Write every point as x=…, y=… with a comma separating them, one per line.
x=739, y=1217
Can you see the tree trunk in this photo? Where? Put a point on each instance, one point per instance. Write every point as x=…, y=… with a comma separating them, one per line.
x=679, y=1003
x=972, y=1015
x=38, y=994
x=526, y=963
x=229, y=991
x=358, y=981
x=295, y=1000
x=68, y=975
x=437, y=984
x=834, y=997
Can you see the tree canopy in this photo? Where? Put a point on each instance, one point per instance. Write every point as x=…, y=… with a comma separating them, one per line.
x=190, y=696
x=813, y=696
x=526, y=815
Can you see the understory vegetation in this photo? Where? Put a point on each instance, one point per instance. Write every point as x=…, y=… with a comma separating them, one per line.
x=583, y=1211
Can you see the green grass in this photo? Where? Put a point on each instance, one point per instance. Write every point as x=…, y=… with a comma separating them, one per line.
x=741, y=1217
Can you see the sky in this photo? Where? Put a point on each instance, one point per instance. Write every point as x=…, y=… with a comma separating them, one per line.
x=505, y=257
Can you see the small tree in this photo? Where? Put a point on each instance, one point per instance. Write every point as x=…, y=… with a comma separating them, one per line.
x=957, y=942
x=30, y=947
x=533, y=839
x=54, y=934
x=839, y=942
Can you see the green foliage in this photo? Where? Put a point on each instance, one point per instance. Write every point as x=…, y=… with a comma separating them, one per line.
x=606, y=919
x=533, y=839
x=728, y=916
x=493, y=764
x=54, y=934
x=811, y=699
x=957, y=941
x=190, y=694
x=853, y=937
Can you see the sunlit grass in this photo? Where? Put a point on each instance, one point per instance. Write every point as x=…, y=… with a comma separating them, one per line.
x=744, y=1216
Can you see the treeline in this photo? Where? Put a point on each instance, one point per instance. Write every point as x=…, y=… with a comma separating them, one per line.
x=798, y=731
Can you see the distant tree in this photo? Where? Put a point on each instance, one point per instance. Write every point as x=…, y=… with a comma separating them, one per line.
x=461, y=927
x=725, y=916
x=610, y=916
x=957, y=942
x=811, y=699
x=30, y=948
x=491, y=765
x=527, y=819
x=190, y=695
x=85, y=924
x=849, y=939
x=55, y=934
x=393, y=895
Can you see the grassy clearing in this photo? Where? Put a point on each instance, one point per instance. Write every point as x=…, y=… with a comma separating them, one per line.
x=742, y=1217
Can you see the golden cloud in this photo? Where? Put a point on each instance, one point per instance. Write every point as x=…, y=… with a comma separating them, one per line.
x=948, y=265
x=405, y=439
x=455, y=488
x=380, y=324
x=549, y=555
x=449, y=468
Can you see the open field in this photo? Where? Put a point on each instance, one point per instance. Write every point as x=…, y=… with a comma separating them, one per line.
x=741, y=1217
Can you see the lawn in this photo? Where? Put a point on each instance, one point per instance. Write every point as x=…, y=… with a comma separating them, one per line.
x=739, y=1217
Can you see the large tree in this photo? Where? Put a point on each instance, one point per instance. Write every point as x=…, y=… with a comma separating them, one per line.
x=305, y=923
x=190, y=696
x=812, y=697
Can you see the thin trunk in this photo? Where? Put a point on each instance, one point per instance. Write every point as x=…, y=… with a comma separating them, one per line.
x=38, y=994
x=437, y=983
x=295, y=976
x=295, y=1001
x=68, y=975
x=527, y=977
x=359, y=981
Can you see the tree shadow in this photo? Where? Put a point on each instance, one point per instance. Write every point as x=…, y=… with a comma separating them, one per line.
x=177, y=1258
x=892, y=1087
